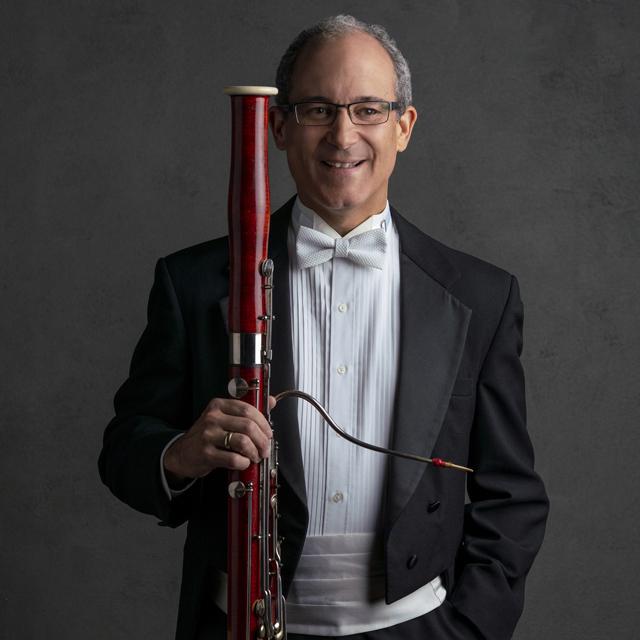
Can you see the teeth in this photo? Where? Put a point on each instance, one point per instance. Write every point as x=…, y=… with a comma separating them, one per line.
x=342, y=165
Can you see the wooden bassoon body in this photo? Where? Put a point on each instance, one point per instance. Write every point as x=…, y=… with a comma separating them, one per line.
x=255, y=603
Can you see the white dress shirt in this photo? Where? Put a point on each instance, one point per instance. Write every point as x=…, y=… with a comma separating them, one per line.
x=345, y=337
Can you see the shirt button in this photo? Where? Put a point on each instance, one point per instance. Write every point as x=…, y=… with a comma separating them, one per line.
x=341, y=369
x=337, y=497
x=342, y=307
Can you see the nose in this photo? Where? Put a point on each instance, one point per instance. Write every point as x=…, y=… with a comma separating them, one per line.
x=343, y=133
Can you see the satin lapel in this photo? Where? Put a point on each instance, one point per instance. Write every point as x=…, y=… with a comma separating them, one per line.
x=285, y=415
x=433, y=332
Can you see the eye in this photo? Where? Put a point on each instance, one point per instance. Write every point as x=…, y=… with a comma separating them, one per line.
x=368, y=111
x=315, y=111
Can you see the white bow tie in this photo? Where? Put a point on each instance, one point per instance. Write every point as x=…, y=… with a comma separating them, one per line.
x=367, y=248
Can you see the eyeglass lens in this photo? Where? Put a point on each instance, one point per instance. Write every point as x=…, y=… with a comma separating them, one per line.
x=322, y=113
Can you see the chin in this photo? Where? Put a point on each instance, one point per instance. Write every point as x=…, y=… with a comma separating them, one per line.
x=339, y=204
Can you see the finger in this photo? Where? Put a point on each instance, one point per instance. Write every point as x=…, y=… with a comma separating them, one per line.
x=247, y=428
x=230, y=460
x=240, y=443
x=244, y=410
x=272, y=402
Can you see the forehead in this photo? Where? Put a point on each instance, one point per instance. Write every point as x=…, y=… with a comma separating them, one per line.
x=344, y=68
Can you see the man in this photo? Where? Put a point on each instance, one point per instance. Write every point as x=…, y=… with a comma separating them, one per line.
x=415, y=347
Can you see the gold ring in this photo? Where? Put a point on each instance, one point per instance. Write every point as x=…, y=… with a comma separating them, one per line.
x=227, y=440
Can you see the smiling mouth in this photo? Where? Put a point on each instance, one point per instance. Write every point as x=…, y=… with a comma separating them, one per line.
x=342, y=165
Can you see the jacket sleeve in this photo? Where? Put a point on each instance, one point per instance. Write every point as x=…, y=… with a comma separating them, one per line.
x=151, y=408
x=505, y=519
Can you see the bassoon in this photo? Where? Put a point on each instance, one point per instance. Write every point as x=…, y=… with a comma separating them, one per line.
x=255, y=600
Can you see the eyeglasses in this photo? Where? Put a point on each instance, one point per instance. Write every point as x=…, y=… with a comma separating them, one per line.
x=319, y=114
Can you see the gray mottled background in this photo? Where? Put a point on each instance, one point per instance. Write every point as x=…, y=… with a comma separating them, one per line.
x=115, y=138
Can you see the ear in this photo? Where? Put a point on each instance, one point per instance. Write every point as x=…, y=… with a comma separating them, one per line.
x=277, y=122
x=404, y=127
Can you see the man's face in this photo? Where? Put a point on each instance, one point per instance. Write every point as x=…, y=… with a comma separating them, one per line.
x=343, y=70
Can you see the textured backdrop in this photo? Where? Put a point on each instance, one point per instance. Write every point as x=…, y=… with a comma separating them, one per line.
x=115, y=138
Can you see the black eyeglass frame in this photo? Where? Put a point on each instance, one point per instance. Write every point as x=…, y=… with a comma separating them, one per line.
x=292, y=108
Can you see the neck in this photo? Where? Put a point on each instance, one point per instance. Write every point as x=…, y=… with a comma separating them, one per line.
x=341, y=224
x=344, y=221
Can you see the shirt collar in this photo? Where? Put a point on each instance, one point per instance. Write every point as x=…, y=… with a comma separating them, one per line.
x=302, y=216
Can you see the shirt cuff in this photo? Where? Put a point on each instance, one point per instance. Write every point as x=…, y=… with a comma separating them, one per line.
x=171, y=493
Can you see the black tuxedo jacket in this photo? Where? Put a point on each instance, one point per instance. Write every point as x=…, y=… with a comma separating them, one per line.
x=460, y=396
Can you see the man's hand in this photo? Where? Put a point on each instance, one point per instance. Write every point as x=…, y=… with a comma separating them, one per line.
x=202, y=449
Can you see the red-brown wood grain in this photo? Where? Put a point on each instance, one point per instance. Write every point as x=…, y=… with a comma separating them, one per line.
x=241, y=623
x=249, y=212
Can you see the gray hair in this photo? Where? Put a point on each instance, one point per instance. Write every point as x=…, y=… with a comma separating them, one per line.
x=338, y=26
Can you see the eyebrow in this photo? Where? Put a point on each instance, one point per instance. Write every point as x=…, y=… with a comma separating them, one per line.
x=357, y=99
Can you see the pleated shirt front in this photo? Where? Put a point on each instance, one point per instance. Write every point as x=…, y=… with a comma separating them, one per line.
x=345, y=334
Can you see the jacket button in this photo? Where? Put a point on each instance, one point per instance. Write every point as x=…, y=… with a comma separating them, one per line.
x=412, y=561
x=433, y=506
